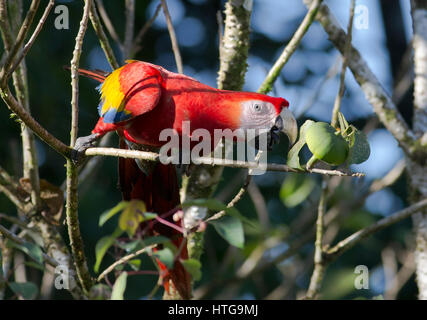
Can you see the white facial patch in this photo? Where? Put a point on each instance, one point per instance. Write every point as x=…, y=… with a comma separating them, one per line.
x=257, y=114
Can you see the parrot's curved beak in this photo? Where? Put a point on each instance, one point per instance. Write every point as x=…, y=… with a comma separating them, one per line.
x=286, y=123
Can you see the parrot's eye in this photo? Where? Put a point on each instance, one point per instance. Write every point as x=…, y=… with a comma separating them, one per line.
x=257, y=107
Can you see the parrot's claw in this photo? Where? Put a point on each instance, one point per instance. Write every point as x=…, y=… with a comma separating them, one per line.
x=83, y=143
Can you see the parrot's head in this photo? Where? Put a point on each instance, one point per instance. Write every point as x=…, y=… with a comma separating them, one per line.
x=260, y=111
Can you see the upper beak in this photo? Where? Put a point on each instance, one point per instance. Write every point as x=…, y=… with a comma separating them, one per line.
x=286, y=123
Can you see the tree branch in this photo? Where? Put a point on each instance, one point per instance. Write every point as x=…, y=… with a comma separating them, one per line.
x=337, y=104
x=151, y=156
x=358, y=236
x=290, y=48
x=136, y=47
x=108, y=24
x=19, y=39
x=416, y=165
x=72, y=172
x=319, y=264
x=18, y=240
x=123, y=260
x=172, y=36
x=374, y=92
x=129, y=27
x=105, y=45
x=33, y=37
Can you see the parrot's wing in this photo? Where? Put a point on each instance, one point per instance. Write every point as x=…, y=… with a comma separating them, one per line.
x=129, y=91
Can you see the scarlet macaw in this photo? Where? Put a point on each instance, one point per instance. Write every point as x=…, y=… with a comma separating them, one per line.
x=139, y=100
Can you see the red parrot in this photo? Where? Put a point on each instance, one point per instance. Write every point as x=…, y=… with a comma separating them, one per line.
x=141, y=99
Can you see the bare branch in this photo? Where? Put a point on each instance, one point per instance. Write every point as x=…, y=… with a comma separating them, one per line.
x=105, y=45
x=17, y=239
x=232, y=203
x=374, y=92
x=129, y=27
x=417, y=163
x=33, y=37
x=358, y=236
x=172, y=35
x=274, y=72
x=124, y=260
x=319, y=264
x=136, y=43
x=23, y=115
x=72, y=173
x=338, y=99
x=19, y=39
x=108, y=24
x=151, y=156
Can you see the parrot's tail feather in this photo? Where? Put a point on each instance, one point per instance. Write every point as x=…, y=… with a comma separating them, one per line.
x=97, y=75
x=157, y=186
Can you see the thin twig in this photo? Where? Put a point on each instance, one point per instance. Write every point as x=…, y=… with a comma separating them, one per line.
x=338, y=99
x=108, y=24
x=123, y=260
x=274, y=72
x=332, y=72
x=319, y=264
x=136, y=47
x=220, y=22
x=389, y=179
x=151, y=156
x=358, y=236
x=172, y=36
x=33, y=37
x=15, y=220
x=232, y=203
x=18, y=240
x=4, y=73
x=376, y=95
x=129, y=27
x=72, y=173
x=105, y=45
x=25, y=117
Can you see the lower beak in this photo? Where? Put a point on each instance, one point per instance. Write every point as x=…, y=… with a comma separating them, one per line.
x=286, y=123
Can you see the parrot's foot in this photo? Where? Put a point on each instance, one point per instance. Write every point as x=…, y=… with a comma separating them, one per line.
x=83, y=143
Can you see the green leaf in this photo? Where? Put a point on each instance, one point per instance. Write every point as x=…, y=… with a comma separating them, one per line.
x=103, y=245
x=360, y=151
x=135, y=263
x=231, y=229
x=112, y=212
x=119, y=287
x=193, y=267
x=27, y=290
x=166, y=256
x=295, y=189
x=293, y=155
x=31, y=249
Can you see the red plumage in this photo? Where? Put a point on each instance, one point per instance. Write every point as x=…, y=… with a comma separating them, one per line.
x=138, y=101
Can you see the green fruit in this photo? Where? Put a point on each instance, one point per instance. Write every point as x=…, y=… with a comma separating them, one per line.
x=325, y=144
